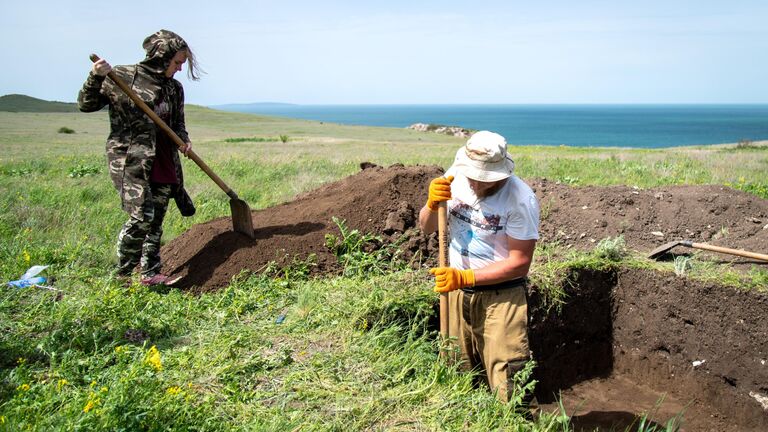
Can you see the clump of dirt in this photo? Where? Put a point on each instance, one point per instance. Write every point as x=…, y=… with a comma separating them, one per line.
x=624, y=338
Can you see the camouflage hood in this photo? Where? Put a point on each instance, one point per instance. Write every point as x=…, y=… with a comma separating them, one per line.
x=161, y=46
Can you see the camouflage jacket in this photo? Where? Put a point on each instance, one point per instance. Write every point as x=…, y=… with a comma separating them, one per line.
x=131, y=141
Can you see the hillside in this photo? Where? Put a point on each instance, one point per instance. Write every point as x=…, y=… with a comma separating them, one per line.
x=24, y=103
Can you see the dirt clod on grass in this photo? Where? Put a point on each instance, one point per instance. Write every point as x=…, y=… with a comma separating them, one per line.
x=702, y=347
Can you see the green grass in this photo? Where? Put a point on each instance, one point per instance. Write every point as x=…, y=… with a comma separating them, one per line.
x=350, y=353
x=225, y=364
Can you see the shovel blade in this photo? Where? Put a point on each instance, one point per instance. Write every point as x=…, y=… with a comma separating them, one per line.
x=241, y=217
x=661, y=250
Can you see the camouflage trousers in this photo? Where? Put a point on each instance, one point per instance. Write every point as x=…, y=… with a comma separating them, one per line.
x=139, y=240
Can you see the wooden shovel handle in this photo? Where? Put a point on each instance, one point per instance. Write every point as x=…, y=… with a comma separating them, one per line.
x=442, y=235
x=737, y=252
x=161, y=124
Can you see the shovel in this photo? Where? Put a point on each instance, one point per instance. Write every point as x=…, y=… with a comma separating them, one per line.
x=442, y=235
x=241, y=213
x=661, y=250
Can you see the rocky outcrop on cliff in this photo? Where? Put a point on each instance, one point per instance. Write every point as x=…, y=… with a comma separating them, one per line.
x=441, y=129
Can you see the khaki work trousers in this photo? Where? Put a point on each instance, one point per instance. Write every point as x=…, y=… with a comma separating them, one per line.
x=491, y=330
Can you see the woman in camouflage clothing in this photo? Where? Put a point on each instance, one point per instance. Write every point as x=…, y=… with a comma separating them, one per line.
x=143, y=161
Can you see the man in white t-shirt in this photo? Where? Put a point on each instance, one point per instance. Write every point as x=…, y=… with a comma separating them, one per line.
x=493, y=218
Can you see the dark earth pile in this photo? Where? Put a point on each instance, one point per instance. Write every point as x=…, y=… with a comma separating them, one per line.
x=377, y=200
x=624, y=339
x=386, y=201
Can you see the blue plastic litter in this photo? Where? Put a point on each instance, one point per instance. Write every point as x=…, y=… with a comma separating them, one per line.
x=280, y=319
x=23, y=283
x=30, y=278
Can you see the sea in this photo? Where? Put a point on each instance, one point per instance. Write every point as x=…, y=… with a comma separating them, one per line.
x=637, y=126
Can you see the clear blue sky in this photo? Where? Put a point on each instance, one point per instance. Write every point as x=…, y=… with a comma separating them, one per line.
x=389, y=52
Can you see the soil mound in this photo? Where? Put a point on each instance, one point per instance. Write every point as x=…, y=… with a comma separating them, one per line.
x=381, y=201
x=386, y=201
x=647, y=218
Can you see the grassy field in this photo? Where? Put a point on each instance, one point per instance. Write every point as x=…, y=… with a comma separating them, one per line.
x=352, y=353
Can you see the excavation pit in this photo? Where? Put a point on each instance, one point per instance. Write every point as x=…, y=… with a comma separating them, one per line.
x=634, y=341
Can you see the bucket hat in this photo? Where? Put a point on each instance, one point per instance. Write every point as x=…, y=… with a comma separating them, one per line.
x=485, y=158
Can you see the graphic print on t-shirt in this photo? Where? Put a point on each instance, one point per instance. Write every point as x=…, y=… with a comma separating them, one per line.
x=475, y=232
x=480, y=229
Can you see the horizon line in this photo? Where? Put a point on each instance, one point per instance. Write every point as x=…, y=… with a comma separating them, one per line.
x=480, y=103
x=213, y=105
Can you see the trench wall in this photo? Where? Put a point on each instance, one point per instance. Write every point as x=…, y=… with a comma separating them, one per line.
x=651, y=327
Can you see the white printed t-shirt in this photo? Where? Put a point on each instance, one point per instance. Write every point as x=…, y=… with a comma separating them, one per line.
x=480, y=227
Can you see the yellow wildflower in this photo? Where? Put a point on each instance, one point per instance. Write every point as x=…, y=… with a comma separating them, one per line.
x=173, y=390
x=104, y=389
x=26, y=256
x=21, y=360
x=92, y=402
x=2, y=419
x=119, y=349
x=93, y=384
x=62, y=383
x=153, y=359
x=23, y=387
x=89, y=406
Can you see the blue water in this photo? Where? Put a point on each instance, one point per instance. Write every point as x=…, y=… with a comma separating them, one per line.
x=645, y=126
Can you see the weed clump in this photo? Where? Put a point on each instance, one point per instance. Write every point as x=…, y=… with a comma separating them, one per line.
x=611, y=249
x=66, y=130
x=682, y=265
x=362, y=254
x=83, y=171
x=755, y=188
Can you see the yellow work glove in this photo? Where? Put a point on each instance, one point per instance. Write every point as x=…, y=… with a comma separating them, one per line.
x=439, y=191
x=449, y=279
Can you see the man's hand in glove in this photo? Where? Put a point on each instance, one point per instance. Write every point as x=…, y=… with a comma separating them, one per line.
x=449, y=279
x=439, y=191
